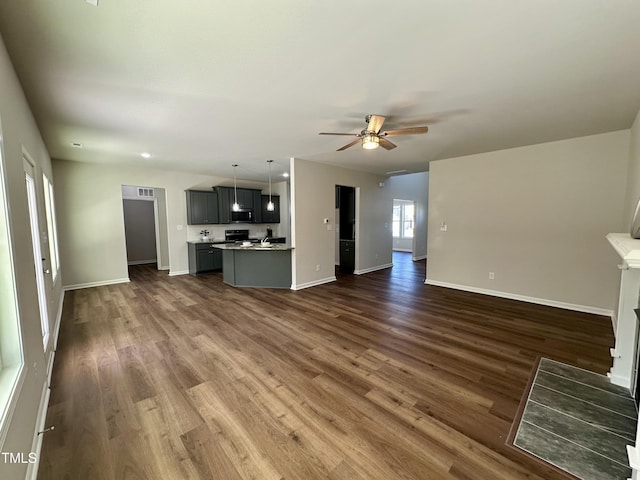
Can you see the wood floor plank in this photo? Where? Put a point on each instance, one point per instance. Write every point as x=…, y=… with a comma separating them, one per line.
x=376, y=377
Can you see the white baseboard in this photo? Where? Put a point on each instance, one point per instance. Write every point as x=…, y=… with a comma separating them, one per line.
x=373, y=269
x=523, y=298
x=96, y=284
x=405, y=250
x=420, y=257
x=178, y=272
x=142, y=262
x=619, y=380
x=314, y=283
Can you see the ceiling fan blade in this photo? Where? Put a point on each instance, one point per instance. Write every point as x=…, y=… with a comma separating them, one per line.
x=405, y=131
x=384, y=143
x=347, y=134
x=348, y=145
x=375, y=123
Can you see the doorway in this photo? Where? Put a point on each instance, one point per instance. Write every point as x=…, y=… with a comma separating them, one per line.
x=39, y=261
x=145, y=224
x=403, y=225
x=346, y=228
x=140, y=231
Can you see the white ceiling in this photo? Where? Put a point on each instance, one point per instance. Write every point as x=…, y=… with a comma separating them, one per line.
x=203, y=84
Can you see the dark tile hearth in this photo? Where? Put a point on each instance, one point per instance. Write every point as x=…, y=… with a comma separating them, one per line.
x=579, y=422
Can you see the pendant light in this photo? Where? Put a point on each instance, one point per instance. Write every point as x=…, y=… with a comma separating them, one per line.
x=270, y=206
x=236, y=206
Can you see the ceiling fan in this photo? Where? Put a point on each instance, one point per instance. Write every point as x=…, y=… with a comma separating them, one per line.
x=371, y=137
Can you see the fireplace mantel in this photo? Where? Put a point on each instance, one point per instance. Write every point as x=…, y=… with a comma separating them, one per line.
x=625, y=322
x=628, y=248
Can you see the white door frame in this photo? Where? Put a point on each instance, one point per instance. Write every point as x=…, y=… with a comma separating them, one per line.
x=38, y=259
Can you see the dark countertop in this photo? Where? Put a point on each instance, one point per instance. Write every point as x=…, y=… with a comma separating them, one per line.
x=278, y=240
x=255, y=246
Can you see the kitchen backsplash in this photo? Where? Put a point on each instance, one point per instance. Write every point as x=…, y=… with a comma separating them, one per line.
x=216, y=232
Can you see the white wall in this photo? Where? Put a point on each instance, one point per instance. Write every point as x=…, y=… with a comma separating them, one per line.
x=414, y=186
x=313, y=200
x=536, y=216
x=20, y=132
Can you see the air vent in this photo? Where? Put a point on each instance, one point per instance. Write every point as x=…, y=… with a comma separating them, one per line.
x=145, y=192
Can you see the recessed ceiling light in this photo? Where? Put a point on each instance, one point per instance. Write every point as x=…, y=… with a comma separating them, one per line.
x=77, y=145
x=92, y=2
x=285, y=175
x=394, y=172
x=145, y=155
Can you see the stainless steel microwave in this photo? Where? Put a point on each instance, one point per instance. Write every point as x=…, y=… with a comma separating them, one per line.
x=242, y=216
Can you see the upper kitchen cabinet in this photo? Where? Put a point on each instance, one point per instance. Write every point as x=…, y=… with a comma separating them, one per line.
x=225, y=200
x=202, y=207
x=248, y=199
x=265, y=216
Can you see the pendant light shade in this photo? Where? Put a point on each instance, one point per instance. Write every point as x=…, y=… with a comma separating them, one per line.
x=236, y=206
x=270, y=206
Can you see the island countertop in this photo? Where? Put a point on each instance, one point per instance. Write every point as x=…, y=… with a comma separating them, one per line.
x=273, y=247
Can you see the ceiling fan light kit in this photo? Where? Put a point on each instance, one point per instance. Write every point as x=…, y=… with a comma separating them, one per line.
x=372, y=138
x=370, y=141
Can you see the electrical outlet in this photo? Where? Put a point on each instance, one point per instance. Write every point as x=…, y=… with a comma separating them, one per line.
x=317, y=268
x=492, y=276
x=443, y=227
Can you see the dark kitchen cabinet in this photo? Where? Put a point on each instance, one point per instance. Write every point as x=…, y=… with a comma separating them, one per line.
x=225, y=200
x=248, y=199
x=347, y=256
x=265, y=216
x=202, y=207
x=204, y=258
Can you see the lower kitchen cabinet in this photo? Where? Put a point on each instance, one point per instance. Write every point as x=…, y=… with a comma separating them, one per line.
x=347, y=256
x=204, y=258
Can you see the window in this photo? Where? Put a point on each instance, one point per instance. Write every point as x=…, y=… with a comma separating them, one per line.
x=403, y=219
x=54, y=255
x=11, y=358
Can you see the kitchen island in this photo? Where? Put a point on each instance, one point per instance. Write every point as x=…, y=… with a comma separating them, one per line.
x=257, y=265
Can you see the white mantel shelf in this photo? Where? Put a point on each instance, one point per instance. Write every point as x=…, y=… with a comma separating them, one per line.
x=628, y=248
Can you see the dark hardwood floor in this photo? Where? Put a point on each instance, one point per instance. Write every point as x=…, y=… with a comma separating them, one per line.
x=371, y=377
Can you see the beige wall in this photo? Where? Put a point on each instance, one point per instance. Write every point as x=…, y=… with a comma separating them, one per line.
x=536, y=216
x=91, y=222
x=313, y=200
x=633, y=174
x=21, y=133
